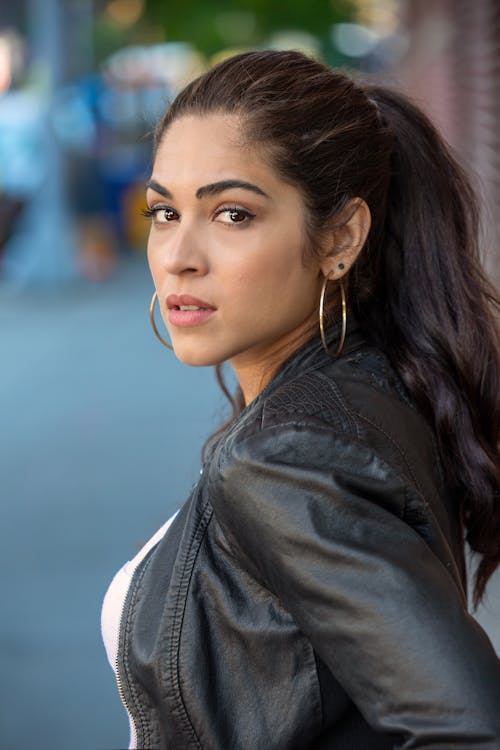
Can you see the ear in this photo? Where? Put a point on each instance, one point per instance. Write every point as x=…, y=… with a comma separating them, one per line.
x=346, y=239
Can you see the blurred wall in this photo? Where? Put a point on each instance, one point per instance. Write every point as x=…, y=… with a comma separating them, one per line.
x=452, y=69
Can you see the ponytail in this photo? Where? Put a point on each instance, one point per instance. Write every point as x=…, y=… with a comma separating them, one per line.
x=432, y=310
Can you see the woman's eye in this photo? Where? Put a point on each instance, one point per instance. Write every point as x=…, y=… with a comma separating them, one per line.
x=234, y=215
x=161, y=214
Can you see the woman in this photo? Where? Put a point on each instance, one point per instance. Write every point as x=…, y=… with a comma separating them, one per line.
x=311, y=592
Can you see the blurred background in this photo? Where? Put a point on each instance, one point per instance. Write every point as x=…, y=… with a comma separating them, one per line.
x=101, y=427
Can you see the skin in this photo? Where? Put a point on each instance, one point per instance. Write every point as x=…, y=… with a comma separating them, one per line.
x=248, y=262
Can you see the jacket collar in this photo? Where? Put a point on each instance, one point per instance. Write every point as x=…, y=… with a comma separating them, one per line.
x=311, y=356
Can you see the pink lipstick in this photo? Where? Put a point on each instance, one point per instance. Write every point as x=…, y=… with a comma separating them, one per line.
x=186, y=310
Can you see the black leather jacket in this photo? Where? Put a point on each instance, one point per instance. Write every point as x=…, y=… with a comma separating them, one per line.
x=310, y=592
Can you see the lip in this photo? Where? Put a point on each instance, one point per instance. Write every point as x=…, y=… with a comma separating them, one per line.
x=188, y=318
x=176, y=300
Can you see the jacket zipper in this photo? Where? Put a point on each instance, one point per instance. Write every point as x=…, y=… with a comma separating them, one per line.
x=133, y=726
x=119, y=683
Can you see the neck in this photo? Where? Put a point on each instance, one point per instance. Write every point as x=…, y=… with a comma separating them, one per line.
x=254, y=371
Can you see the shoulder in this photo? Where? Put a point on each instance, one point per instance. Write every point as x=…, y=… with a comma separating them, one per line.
x=350, y=428
x=311, y=429
x=359, y=397
x=339, y=390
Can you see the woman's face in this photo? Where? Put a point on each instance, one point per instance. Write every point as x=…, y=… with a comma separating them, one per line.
x=227, y=237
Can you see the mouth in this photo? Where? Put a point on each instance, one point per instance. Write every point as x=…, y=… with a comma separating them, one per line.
x=185, y=311
x=187, y=303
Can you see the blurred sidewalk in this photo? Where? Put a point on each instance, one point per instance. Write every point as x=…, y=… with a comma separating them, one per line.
x=102, y=431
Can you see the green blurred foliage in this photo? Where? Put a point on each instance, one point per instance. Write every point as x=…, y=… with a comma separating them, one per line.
x=215, y=25
x=208, y=25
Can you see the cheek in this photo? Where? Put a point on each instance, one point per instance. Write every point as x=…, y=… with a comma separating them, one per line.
x=276, y=254
x=278, y=264
x=273, y=285
x=253, y=278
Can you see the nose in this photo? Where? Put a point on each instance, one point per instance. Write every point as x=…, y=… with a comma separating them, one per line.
x=182, y=252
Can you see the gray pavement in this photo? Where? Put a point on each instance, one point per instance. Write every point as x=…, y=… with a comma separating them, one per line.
x=101, y=431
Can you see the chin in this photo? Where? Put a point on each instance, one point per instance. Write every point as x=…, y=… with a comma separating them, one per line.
x=196, y=357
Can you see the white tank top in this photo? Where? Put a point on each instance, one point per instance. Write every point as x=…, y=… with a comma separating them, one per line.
x=114, y=601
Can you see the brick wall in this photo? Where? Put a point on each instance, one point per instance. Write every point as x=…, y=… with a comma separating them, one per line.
x=452, y=69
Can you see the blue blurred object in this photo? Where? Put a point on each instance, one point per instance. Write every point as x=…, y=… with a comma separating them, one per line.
x=43, y=247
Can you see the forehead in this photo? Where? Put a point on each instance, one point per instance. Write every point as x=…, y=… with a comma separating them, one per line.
x=212, y=146
x=225, y=127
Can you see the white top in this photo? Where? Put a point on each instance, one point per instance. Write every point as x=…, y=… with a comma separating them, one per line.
x=114, y=602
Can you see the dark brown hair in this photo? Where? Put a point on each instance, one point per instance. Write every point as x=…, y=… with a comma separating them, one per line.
x=417, y=288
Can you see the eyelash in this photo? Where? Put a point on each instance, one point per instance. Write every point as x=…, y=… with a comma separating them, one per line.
x=234, y=209
x=151, y=212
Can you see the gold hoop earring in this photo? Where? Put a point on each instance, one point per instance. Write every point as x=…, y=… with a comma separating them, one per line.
x=153, y=322
x=322, y=318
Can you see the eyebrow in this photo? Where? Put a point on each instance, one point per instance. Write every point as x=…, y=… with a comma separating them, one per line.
x=213, y=189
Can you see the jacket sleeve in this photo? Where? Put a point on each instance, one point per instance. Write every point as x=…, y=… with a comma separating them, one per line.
x=317, y=518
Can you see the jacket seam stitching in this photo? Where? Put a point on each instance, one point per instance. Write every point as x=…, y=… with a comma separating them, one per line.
x=351, y=415
x=399, y=449
x=144, y=729
x=318, y=684
x=179, y=612
x=238, y=424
